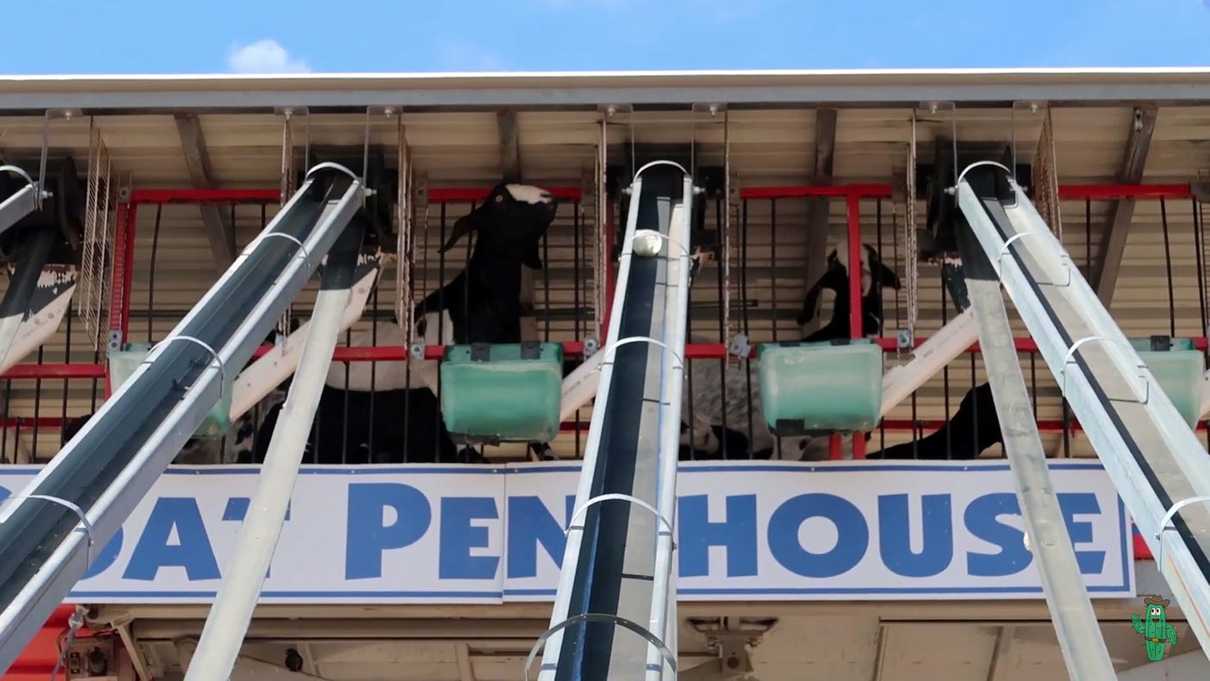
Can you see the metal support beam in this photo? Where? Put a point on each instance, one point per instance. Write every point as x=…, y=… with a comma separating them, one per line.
x=818, y=208
x=219, y=229
x=19, y=204
x=232, y=612
x=1076, y=626
x=1113, y=243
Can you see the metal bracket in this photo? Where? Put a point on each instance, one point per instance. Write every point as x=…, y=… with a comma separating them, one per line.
x=74, y=508
x=657, y=642
x=1165, y=523
x=1068, y=356
x=590, y=347
x=222, y=370
x=612, y=350
x=417, y=351
x=571, y=525
x=739, y=347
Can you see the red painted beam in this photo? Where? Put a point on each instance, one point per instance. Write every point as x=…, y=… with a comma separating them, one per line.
x=1070, y=192
x=848, y=191
x=477, y=194
x=55, y=371
x=205, y=196
x=1110, y=192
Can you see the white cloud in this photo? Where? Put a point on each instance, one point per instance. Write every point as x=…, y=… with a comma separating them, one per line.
x=264, y=56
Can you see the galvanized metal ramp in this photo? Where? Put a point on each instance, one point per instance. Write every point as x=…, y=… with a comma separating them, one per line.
x=51, y=530
x=1160, y=469
x=615, y=610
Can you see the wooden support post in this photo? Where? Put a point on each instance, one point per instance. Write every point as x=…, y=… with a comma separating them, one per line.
x=1113, y=244
x=219, y=229
x=815, y=253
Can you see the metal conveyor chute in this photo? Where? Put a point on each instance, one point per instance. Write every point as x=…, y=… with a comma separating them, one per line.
x=615, y=609
x=50, y=530
x=1161, y=471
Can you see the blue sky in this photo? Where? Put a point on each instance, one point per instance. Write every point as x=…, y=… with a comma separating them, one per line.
x=217, y=36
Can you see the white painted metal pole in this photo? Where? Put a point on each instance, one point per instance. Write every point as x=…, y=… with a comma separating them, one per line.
x=1076, y=626
x=672, y=391
x=940, y=349
x=231, y=614
x=268, y=372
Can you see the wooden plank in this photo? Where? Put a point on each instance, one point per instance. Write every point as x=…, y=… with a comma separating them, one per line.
x=219, y=229
x=1113, y=247
x=816, y=242
x=510, y=146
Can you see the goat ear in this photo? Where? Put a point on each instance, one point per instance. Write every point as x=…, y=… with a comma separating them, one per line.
x=532, y=260
x=465, y=225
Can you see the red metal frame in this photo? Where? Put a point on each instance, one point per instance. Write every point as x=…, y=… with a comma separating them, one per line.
x=1110, y=192
x=205, y=196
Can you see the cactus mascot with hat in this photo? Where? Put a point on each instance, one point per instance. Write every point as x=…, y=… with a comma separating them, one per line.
x=1155, y=628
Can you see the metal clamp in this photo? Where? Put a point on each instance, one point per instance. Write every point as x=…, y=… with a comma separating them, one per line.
x=74, y=508
x=331, y=165
x=20, y=172
x=657, y=642
x=1067, y=359
x=614, y=496
x=289, y=237
x=972, y=166
x=1064, y=258
x=612, y=350
x=1166, y=526
x=222, y=370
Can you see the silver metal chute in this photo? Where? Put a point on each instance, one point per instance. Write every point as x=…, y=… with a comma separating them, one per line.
x=615, y=608
x=20, y=203
x=50, y=530
x=1151, y=454
x=1075, y=622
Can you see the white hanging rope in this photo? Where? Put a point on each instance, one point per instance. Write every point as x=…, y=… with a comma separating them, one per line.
x=912, y=264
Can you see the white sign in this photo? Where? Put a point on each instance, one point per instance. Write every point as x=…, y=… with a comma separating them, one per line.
x=745, y=531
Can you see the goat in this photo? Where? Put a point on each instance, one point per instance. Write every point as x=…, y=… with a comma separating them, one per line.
x=708, y=434
x=973, y=428
x=482, y=304
x=874, y=277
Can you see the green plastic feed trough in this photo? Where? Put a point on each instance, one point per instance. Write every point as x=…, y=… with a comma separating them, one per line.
x=123, y=363
x=1178, y=367
x=808, y=388
x=502, y=393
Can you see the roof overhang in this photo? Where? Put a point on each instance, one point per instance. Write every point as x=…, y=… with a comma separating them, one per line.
x=555, y=89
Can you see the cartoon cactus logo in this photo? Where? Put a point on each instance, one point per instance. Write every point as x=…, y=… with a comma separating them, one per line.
x=1154, y=627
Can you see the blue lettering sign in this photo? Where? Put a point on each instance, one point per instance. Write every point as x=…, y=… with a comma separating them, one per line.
x=982, y=518
x=192, y=552
x=1082, y=503
x=894, y=535
x=853, y=536
x=105, y=559
x=736, y=534
x=366, y=534
x=530, y=523
x=459, y=536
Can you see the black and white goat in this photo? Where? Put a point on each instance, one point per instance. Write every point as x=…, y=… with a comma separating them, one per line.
x=482, y=304
x=875, y=276
x=704, y=437
x=973, y=428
